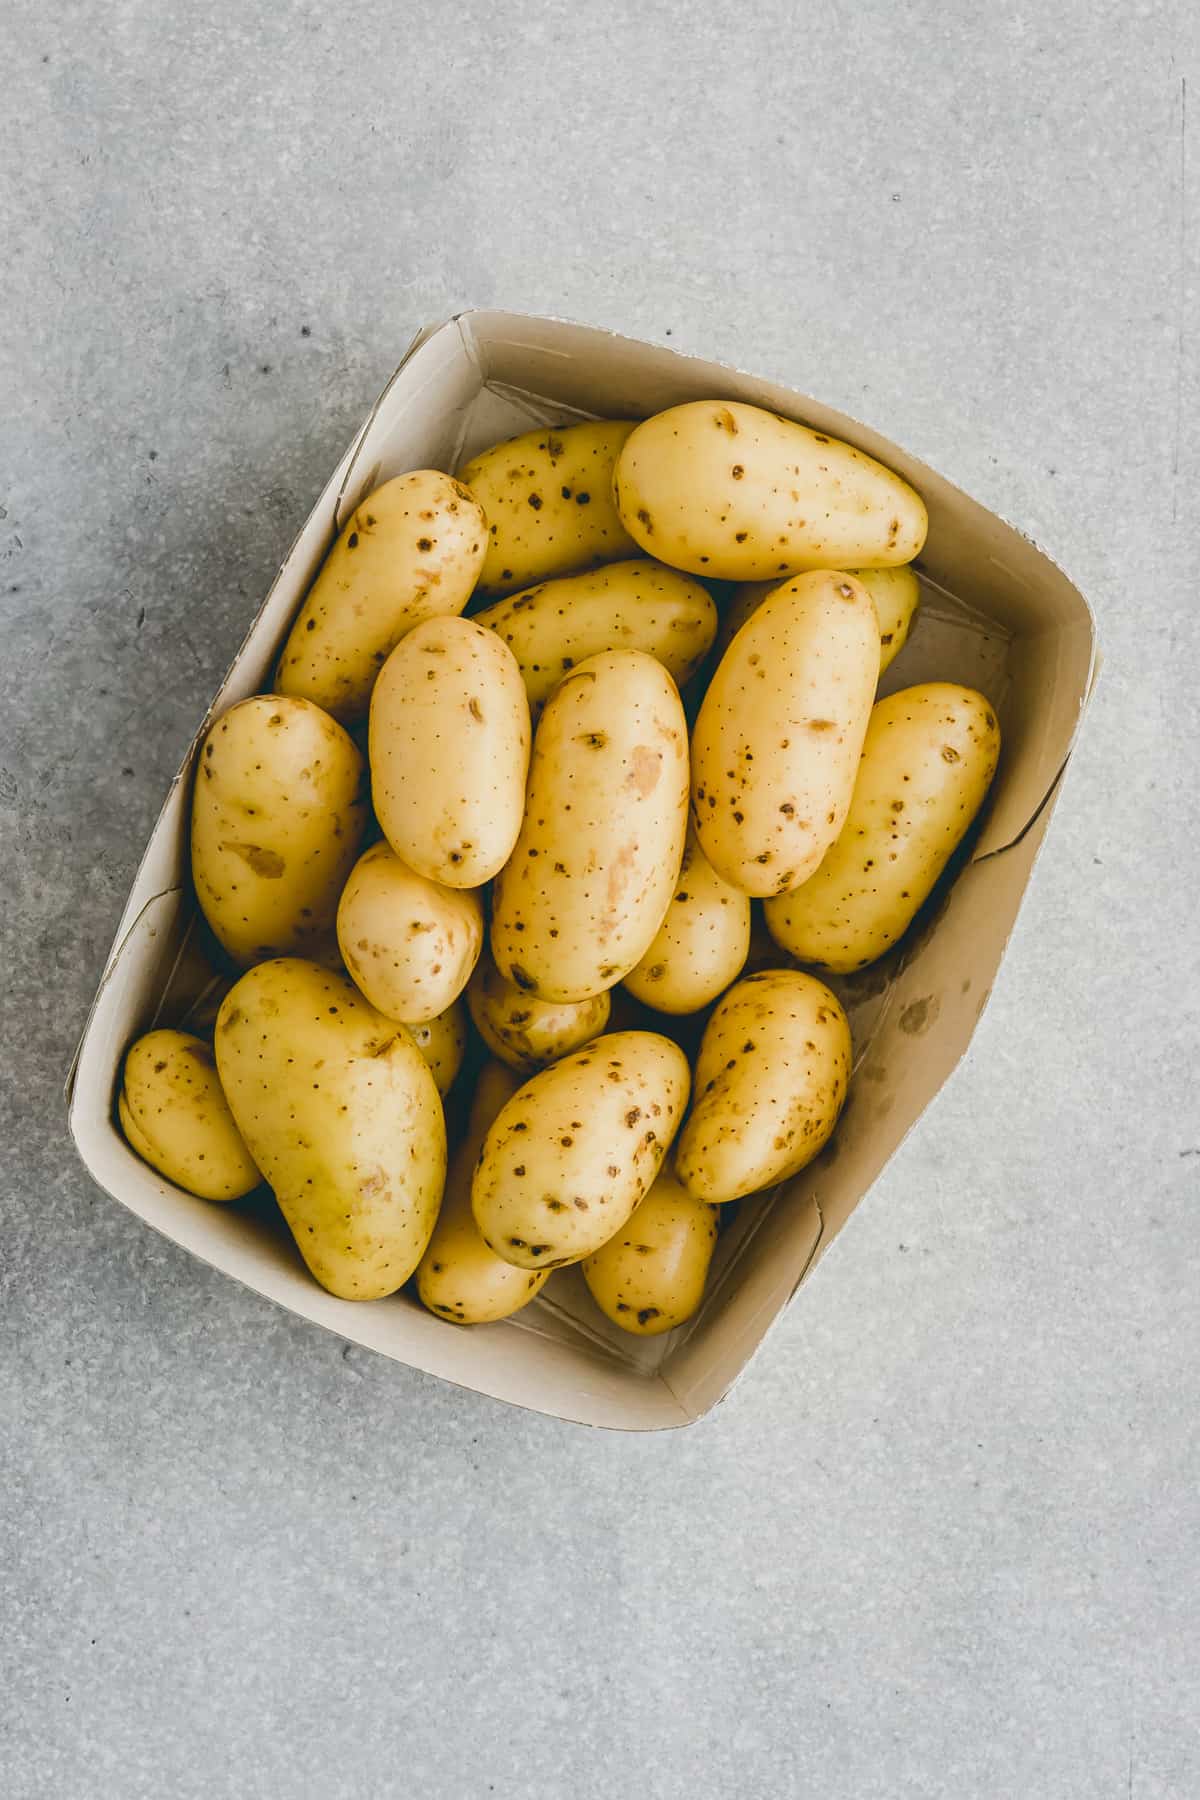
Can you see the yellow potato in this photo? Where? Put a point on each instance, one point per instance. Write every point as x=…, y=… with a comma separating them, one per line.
x=414, y=548
x=443, y=1044
x=459, y=1277
x=277, y=816
x=450, y=751
x=720, y=488
x=701, y=944
x=595, y=864
x=410, y=944
x=523, y=1031
x=778, y=737
x=770, y=1082
x=895, y=593
x=635, y=605
x=571, y=1154
x=549, y=502
x=928, y=760
x=650, y=1277
x=174, y=1114
x=341, y=1113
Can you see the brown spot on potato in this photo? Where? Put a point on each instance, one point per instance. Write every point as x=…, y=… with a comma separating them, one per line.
x=352, y=541
x=821, y=724
x=737, y=471
x=646, y=767
x=267, y=863
x=475, y=710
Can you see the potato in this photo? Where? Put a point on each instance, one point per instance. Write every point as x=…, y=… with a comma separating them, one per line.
x=549, y=502
x=635, y=605
x=778, y=737
x=449, y=748
x=701, y=944
x=771, y=1080
x=443, y=1044
x=927, y=763
x=650, y=1277
x=523, y=1031
x=571, y=1154
x=277, y=816
x=720, y=488
x=414, y=548
x=174, y=1114
x=595, y=864
x=459, y=1277
x=410, y=944
x=895, y=593
x=340, y=1112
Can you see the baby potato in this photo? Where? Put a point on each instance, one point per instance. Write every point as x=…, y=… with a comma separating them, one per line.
x=771, y=1081
x=650, y=1277
x=701, y=944
x=459, y=1277
x=412, y=549
x=895, y=593
x=549, y=502
x=523, y=1031
x=443, y=1044
x=720, y=488
x=176, y=1117
x=409, y=944
x=927, y=763
x=277, y=816
x=777, y=741
x=449, y=749
x=599, y=850
x=635, y=605
x=571, y=1154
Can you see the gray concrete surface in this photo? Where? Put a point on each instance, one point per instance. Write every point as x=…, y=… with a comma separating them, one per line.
x=942, y=1539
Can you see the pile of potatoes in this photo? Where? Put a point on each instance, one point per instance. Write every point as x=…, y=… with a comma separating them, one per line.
x=536, y=853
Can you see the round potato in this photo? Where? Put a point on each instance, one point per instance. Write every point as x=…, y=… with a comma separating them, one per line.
x=443, y=1044
x=449, y=748
x=175, y=1115
x=410, y=944
x=894, y=592
x=414, y=548
x=277, y=816
x=720, y=488
x=927, y=763
x=771, y=1081
x=650, y=1277
x=523, y=1031
x=777, y=741
x=571, y=1154
x=701, y=944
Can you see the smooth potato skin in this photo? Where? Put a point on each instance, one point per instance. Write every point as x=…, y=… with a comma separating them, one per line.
x=548, y=498
x=596, y=861
x=895, y=593
x=449, y=749
x=523, y=1031
x=701, y=944
x=414, y=548
x=443, y=1044
x=928, y=761
x=770, y=1082
x=650, y=1277
x=571, y=1154
x=174, y=1114
x=341, y=1113
x=777, y=740
x=409, y=944
x=277, y=816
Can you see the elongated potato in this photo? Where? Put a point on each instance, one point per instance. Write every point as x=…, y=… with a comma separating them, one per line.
x=571, y=1154
x=449, y=749
x=549, y=502
x=459, y=1277
x=780, y=730
x=650, y=1277
x=443, y=1044
x=894, y=592
x=414, y=548
x=523, y=1031
x=175, y=1115
x=927, y=763
x=635, y=605
x=409, y=944
x=277, y=816
x=701, y=944
x=595, y=864
x=720, y=488
x=771, y=1081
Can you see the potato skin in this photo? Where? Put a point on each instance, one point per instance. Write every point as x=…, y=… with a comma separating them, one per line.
x=650, y=1277
x=414, y=548
x=449, y=749
x=277, y=816
x=549, y=503
x=895, y=593
x=928, y=761
x=596, y=861
x=701, y=944
x=571, y=1154
x=342, y=1115
x=777, y=740
x=175, y=1115
x=523, y=1031
x=443, y=1044
x=409, y=944
x=724, y=489
x=771, y=1081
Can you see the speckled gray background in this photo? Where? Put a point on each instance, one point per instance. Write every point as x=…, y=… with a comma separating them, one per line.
x=942, y=1539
